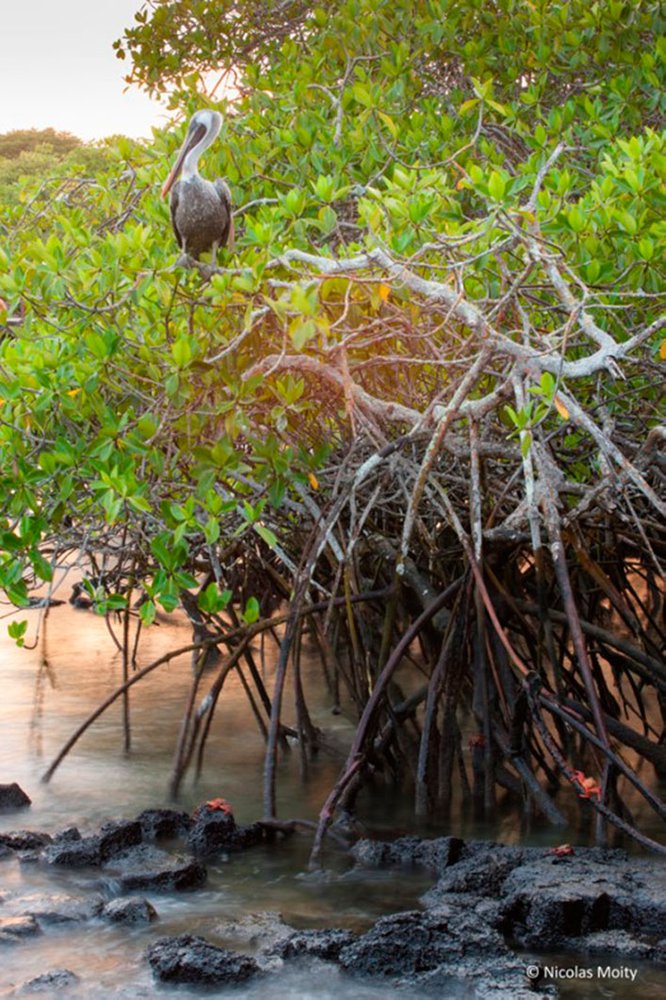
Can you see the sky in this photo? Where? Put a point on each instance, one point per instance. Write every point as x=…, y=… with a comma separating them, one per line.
x=57, y=68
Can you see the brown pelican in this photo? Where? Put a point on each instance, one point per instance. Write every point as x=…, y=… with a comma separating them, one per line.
x=200, y=209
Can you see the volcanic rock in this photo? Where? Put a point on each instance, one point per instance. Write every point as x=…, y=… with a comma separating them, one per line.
x=170, y=823
x=407, y=852
x=148, y=868
x=415, y=941
x=13, y=797
x=24, y=840
x=190, y=959
x=48, y=983
x=215, y=830
x=129, y=910
x=323, y=944
x=82, y=853
x=117, y=837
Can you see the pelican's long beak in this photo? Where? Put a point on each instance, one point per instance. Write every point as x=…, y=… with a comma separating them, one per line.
x=191, y=140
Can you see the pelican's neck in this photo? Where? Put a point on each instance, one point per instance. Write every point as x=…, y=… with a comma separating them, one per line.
x=191, y=161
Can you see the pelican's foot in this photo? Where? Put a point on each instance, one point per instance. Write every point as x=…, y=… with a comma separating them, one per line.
x=207, y=271
x=183, y=261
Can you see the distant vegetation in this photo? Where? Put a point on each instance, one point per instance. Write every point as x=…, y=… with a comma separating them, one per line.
x=28, y=140
x=33, y=154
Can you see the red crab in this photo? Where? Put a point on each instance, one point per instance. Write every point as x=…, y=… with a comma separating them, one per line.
x=562, y=851
x=590, y=785
x=220, y=805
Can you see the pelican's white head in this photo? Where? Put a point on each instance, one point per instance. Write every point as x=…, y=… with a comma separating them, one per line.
x=203, y=130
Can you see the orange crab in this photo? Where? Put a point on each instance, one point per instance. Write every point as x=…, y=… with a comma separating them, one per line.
x=590, y=786
x=220, y=805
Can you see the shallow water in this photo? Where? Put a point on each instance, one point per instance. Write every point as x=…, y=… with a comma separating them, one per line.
x=43, y=702
x=47, y=692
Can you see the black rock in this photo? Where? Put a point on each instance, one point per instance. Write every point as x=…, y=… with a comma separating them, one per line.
x=13, y=797
x=82, y=853
x=481, y=870
x=67, y=836
x=164, y=823
x=214, y=830
x=147, y=868
x=116, y=837
x=476, y=977
x=554, y=899
x=414, y=941
x=24, y=840
x=49, y=982
x=190, y=959
x=407, y=852
x=129, y=910
x=323, y=944
x=617, y=944
x=646, y=905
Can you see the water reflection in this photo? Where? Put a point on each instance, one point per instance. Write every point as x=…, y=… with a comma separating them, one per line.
x=44, y=701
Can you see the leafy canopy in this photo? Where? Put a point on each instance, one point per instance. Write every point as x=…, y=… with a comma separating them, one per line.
x=140, y=425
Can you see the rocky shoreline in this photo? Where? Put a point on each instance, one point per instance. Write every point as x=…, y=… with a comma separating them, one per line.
x=487, y=904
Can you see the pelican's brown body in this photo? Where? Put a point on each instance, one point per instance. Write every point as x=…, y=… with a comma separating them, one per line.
x=201, y=211
x=201, y=215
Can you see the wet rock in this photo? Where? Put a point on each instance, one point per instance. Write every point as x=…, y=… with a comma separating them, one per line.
x=618, y=944
x=24, y=840
x=215, y=830
x=148, y=868
x=67, y=836
x=130, y=910
x=473, y=919
x=646, y=907
x=477, y=978
x=407, y=852
x=48, y=983
x=72, y=850
x=258, y=930
x=157, y=823
x=12, y=929
x=82, y=853
x=58, y=908
x=481, y=870
x=190, y=959
x=5, y=852
x=13, y=797
x=117, y=837
x=415, y=941
x=323, y=944
x=554, y=899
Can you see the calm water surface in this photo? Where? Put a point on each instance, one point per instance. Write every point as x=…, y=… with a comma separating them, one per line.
x=47, y=692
